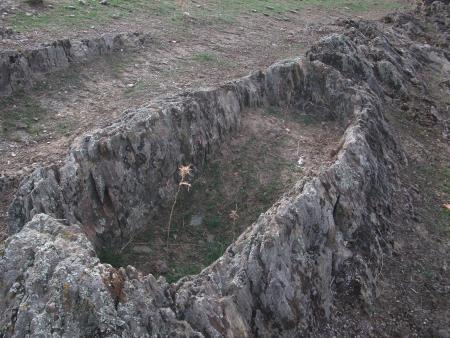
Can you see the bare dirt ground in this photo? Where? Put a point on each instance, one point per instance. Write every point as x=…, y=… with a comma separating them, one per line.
x=189, y=51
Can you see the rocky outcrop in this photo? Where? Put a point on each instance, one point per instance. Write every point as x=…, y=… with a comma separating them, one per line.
x=324, y=237
x=115, y=179
x=20, y=70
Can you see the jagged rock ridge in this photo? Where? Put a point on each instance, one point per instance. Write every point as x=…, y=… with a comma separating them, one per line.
x=20, y=70
x=325, y=236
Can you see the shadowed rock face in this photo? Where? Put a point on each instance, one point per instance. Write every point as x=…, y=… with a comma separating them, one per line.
x=324, y=236
x=20, y=70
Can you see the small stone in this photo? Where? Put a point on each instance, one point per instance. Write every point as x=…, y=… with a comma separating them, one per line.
x=160, y=267
x=142, y=249
x=104, y=2
x=21, y=125
x=71, y=7
x=210, y=238
x=50, y=308
x=196, y=220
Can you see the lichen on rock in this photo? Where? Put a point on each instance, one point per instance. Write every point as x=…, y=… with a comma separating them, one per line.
x=325, y=236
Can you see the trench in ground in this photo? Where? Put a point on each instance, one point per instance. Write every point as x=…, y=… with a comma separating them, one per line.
x=273, y=148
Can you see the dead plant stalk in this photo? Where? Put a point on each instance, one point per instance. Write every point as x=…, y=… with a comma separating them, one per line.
x=184, y=172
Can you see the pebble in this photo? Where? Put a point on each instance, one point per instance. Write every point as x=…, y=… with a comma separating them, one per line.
x=196, y=220
x=50, y=308
x=161, y=267
x=21, y=125
x=142, y=249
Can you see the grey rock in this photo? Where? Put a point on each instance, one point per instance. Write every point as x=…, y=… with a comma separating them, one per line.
x=196, y=220
x=324, y=237
x=20, y=70
x=142, y=249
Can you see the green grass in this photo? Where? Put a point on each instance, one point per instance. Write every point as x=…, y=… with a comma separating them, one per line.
x=176, y=273
x=139, y=87
x=445, y=217
x=305, y=119
x=214, y=251
x=211, y=196
x=269, y=192
x=205, y=57
x=436, y=181
x=216, y=11
x=93, y=13
x=111, y=256
x=20, y=110
x=213, y=222
x=64, y=128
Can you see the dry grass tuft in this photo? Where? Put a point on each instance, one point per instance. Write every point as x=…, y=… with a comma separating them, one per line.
x=234, y=216
x=183, y=4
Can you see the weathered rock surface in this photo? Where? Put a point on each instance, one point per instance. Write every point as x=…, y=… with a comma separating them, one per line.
x=325, y=236
x=20, y=70
x=116, y=179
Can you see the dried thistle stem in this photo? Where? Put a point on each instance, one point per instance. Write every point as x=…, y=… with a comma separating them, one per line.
x=184, y=172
